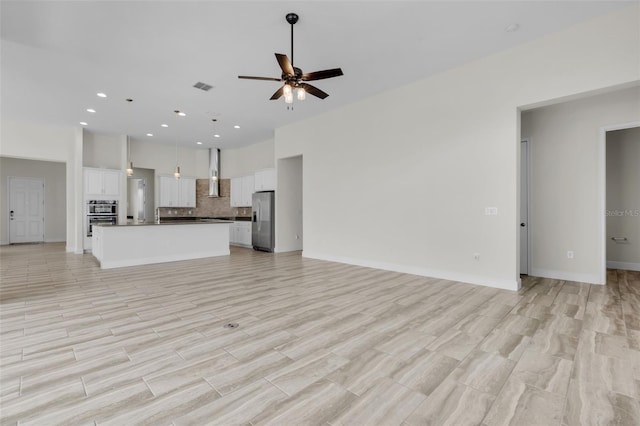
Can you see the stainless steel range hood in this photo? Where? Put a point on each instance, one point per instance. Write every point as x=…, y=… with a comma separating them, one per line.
x=214, y=172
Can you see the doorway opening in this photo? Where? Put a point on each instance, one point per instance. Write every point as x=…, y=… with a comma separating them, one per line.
x=26, y=210
x=140, y=190
x=622, y=199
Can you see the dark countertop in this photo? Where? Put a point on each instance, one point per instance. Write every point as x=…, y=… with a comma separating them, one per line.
x=169, y=223
x=203, y=218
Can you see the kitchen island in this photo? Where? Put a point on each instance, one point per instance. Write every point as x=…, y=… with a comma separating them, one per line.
x=116, y=246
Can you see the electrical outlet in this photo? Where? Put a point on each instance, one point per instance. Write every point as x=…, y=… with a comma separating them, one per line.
x=476, y=256
x=570, y=254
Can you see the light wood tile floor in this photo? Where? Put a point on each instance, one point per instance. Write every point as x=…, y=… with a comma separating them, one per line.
x=317, y=343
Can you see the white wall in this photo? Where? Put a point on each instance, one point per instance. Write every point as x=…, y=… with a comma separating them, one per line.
x=564, y=210
x=623, y=198
x=162, y=158
x=54, y=177
x=246, y=160
x=400, y=181
x=289, y=225
x=101, y=151
x=35, y=142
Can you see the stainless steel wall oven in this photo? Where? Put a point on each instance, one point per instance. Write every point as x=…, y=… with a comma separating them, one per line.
x=103, y=212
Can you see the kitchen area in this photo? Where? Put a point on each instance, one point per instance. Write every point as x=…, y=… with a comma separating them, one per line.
x=164, y=217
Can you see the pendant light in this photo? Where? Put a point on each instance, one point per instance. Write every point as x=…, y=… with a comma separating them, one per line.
x=130, y=169
x=176, y=173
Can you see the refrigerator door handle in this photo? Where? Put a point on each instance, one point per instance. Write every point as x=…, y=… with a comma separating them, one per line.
x=259, y=210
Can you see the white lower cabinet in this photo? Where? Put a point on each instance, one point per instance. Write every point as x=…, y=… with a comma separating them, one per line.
x=240, y=234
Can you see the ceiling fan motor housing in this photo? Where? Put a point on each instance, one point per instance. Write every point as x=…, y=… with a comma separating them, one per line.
x=292, y=18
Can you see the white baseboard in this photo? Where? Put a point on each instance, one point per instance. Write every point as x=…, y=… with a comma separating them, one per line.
x=414, y=270
x=566, y=276
x=4, y=243
x=110, y=264
x=627, y=266
x=286, y=249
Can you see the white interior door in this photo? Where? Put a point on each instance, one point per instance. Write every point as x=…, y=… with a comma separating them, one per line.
x=26, y=210
x=524, y=207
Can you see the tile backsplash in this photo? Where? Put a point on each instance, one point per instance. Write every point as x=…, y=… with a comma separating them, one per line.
x=209, y=207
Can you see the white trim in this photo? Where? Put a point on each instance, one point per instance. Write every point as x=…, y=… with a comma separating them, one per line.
x=4, y=243
x=627, y=266
x=566, y=276
x=602, y=192
x=414, y=270
x=110, y=264
x=528, y=226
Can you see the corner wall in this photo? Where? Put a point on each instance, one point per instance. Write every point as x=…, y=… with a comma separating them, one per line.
x=424, y=161
x=246, y=160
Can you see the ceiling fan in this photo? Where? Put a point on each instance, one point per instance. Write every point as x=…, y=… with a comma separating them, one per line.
x=293, y=77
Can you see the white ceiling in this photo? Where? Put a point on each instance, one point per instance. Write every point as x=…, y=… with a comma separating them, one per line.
x=57, y=55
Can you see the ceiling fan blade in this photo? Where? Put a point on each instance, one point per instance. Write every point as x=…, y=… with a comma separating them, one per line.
x=312, y=90
x=320, y=75
x=285, y=64
x=277, y=94
x=260, y=78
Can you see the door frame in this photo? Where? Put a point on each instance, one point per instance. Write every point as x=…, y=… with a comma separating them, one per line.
x=602, y=192
x=44, y=205
x=528, y=227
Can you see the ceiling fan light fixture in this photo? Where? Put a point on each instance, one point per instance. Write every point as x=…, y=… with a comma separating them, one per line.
x=288, y=99
x=286, y=90
x=301, y=94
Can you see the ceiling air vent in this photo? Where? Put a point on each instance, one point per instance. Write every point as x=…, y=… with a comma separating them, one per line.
x=203, y=86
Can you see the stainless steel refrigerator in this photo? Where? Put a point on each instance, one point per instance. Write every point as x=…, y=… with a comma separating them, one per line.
x=262, y=221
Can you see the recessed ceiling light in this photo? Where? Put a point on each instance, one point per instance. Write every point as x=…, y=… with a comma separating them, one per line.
x=180, y=113
x=101, y=95
x=512, y=27
x=149, y=134
x=164, y=125
x=199, y=143
x=84, y=123
x=216, y=136
x=236, y=127
x=91, y=110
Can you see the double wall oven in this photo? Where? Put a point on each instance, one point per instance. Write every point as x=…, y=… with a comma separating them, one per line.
x=103, y=212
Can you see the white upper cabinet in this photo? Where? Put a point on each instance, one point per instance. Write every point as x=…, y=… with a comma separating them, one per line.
x=241, y=191
x=265, y=180
x=187, y=192
x=101, y=183
x=177, y=192
x=247, y=190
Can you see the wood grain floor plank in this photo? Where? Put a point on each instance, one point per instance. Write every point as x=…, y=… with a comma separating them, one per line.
x=316, y=343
